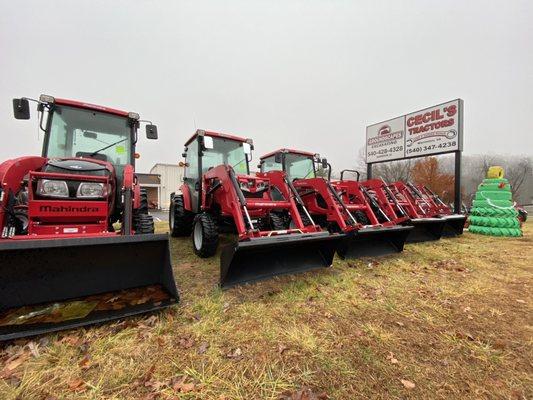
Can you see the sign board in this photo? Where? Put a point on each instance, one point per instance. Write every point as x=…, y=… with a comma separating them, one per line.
x=433, y=130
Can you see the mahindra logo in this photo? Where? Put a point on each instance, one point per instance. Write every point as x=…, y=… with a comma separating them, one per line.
x=385, y=130
x=83, y=209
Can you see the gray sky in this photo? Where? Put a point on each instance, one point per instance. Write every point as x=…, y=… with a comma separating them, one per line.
x=300, y=74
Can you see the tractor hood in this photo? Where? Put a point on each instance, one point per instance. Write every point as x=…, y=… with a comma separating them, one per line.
x=76, y=166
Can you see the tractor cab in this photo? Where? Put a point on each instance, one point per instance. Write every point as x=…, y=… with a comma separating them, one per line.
x=295, y=163
x=85, y=139
x=206, y=150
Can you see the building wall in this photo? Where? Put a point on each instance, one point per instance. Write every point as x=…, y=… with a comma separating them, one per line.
x=171, y=180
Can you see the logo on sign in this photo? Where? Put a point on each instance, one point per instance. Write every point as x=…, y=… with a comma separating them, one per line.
x=384, y=130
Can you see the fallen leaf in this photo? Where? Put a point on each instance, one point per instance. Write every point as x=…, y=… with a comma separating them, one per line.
x=180, y=385
x=34, y=349
x=186, y=343
x=237, y=353
x=391, y=358
x=77, y=385
x=282, y=348
x=85, y=363
x=14, y=362
x=407, y=384
x=203, y=347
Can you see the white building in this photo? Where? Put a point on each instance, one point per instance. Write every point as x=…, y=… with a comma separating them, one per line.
x=162, y=180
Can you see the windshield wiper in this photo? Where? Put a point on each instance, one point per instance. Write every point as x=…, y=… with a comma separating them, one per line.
x=306, y=175
x=235, y=165
x=107, y=147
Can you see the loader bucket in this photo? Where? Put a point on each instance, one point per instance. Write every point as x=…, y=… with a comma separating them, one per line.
x=262, y=258
x=454, y=225
x=50, y=285
x=374, y=241
x=426, y=229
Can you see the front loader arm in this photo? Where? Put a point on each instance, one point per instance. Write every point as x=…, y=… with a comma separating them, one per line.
x=219, y=186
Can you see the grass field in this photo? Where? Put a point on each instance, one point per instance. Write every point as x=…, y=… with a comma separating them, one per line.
x=446, y=320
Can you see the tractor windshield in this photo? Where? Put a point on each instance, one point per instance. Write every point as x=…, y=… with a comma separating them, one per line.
x=299, y=166
x=75, y=132
x=226, y=151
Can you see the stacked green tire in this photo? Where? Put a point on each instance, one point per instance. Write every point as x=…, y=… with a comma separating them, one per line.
x=493, y=212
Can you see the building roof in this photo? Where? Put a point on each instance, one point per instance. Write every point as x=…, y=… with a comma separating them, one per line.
x=149, y=179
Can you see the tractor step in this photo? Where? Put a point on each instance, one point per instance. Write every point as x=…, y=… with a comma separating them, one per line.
x=51, y=285
x=262, y=258
x=374, y=241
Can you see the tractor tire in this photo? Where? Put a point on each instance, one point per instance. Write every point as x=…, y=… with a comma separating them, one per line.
x=204, y=235
x=143, y=207
x=143, y=224
x=361, y=217
x=277, y=222
x=180, y=220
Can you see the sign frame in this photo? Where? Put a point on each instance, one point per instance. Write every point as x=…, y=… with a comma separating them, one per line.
x=457, y=152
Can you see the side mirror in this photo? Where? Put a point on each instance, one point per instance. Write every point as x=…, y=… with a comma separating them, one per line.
x=278, y=158
x=247, y=148
x=324, y=163
x=21, y=108
x=208, y=143
x=151, y=131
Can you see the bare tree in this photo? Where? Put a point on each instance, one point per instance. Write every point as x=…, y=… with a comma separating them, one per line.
x=390, y=171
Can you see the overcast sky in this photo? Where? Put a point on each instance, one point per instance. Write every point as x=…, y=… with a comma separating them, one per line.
x=300, y=74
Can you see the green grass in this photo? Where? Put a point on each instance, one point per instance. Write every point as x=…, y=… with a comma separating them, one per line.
x=453, y=317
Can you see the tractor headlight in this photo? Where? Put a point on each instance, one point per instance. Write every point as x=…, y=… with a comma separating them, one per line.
x=91, y=190
x=245, y=186
x=50, y=188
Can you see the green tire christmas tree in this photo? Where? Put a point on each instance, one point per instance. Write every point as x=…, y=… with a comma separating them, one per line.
x=493, y=212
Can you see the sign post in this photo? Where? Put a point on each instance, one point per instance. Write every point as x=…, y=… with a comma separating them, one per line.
x=431, y=131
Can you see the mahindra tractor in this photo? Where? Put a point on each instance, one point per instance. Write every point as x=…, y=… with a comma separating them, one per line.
x=406, y=199
x=77, y=245
x=455, y=223
x=338, y=206
x=219, y=195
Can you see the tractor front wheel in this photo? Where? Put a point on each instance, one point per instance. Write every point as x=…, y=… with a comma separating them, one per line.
x=143, y=224
x=204, y=235
x=180, y=220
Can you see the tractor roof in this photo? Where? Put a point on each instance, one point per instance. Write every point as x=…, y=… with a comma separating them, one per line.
x=304, y=153
x=88, y=106
x=215, y=134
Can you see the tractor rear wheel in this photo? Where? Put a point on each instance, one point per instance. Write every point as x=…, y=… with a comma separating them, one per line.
x=204, y=235
x=143, y=224
x=143, y=207
x=180, y=220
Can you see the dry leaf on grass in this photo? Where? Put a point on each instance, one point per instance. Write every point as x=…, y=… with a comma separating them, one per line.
x=186, y=342
x=235, y=354
x=391, y=358
x=77, y=385
x=85, y=363
x=303, y=394
x=203, y=347
x=407, y=384
x=179, y=385
x=282, y=348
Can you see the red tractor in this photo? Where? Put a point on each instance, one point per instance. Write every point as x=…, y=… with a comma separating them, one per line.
x=406, y=199
x=77, y=245
x=220, y=195
x=339, y=206
x=455, y=223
